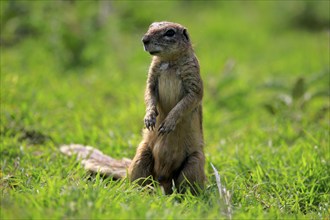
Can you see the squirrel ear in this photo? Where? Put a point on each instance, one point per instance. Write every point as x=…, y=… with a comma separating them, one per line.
x=186, y=35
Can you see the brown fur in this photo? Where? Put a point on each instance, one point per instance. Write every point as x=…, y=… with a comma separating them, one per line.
x=172, y=147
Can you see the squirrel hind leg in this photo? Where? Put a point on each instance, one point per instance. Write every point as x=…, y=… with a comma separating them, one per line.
x=192, y=174
x=142, y=165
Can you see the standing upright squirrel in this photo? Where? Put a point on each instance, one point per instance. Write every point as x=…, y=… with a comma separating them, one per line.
x=171, y=151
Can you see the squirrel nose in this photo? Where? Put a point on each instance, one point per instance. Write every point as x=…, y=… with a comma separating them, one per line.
x=145, y=40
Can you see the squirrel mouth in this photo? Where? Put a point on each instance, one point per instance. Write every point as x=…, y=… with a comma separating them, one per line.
x=154, y=52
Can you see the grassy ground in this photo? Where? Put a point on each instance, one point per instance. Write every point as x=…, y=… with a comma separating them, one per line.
x=75, y=73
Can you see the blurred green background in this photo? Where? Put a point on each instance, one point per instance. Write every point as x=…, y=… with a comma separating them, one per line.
x=58, y=53
x=75, y=72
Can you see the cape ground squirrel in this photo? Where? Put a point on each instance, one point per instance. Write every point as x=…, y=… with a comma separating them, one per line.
x=172, y=147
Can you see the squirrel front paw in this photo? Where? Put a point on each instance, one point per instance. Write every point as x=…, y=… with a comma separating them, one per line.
x=166, y=126
x=150, y=120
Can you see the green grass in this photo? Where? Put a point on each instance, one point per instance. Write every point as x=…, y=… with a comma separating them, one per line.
x=272, y=155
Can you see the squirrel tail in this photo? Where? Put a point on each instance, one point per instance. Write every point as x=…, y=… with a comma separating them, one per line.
x=95, y=161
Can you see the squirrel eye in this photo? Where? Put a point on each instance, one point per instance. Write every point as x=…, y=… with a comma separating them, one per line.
x=169, y=33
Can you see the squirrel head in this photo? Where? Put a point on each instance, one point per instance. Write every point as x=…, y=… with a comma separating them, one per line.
x=166, y=39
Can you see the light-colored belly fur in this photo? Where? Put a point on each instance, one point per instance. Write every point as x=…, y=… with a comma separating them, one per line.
x=168, y=149
x=169, y=90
